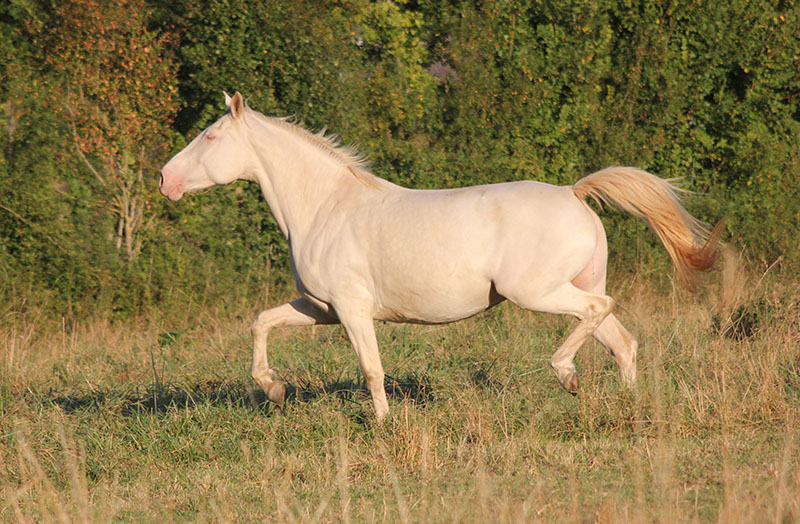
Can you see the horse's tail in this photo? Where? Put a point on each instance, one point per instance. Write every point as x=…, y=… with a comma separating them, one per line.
x=688, y=242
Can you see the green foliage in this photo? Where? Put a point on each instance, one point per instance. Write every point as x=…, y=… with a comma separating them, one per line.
x=435, y=94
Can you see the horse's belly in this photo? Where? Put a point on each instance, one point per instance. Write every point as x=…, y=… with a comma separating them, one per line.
x=443, y=300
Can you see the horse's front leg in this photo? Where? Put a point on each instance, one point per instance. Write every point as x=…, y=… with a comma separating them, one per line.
x=298, y=312
x=361, y=332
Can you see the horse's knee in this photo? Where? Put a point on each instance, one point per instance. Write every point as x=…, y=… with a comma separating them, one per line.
x=261, y=325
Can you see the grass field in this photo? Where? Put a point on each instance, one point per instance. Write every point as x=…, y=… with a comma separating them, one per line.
x=157, y=420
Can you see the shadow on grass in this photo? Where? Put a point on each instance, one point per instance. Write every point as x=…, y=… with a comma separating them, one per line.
x=160, y=398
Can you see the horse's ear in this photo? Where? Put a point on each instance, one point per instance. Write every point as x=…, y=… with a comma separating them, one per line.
x=236, y=105
x=227, y=100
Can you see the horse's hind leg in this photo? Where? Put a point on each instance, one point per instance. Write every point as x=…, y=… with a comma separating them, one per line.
x=591, y=309
x=298, y=312
x=610, y=333
x=620, y=344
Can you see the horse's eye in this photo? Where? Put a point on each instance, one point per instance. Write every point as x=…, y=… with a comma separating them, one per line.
x=210, y=136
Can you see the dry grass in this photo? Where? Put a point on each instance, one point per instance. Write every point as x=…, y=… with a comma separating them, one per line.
x=156, y=420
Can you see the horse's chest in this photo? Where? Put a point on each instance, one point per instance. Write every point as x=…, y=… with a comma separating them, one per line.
x=323, y=269
x=307, y=276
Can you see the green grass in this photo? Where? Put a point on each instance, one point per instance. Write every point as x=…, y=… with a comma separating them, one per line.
x=157, y=419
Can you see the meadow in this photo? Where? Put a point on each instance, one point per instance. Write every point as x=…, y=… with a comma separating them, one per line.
x=155, y=418
x=125, y=390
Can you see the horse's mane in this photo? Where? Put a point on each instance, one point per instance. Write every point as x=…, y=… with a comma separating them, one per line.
x=349, y=156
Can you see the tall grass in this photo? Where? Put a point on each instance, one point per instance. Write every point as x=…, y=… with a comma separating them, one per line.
x=157, y=420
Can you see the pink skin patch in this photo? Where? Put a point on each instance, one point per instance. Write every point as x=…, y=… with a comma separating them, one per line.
x=592, y=278
x=173, y=191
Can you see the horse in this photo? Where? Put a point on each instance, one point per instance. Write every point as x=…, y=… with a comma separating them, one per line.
x=364, y=249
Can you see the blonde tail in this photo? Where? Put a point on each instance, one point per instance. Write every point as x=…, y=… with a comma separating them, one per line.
x=688, y=242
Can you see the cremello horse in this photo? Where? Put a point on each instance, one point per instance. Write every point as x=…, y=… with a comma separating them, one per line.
x=363, y=249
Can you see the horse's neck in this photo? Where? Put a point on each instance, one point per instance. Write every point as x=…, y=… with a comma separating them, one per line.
x=299, y=180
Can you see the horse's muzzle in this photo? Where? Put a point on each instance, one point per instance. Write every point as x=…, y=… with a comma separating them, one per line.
x=173, y=190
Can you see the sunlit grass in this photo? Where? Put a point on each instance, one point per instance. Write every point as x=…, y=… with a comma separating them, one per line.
x=157, y=420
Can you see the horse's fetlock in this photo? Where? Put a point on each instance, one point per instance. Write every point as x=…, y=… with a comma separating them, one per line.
x=376, y=376
x=264, y=378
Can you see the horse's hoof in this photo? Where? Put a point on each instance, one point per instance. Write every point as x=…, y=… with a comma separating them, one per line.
x=567, y=377
x=277, y=394
x=572, y=388
x=570, y=383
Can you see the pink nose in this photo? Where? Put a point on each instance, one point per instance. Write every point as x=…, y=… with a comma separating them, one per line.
x=169, y=184
x=163, y=182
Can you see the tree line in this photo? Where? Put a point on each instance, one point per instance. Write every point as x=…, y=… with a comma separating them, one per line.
x=97, y=94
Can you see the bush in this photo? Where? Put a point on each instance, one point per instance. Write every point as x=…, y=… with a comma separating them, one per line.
x=436, y=95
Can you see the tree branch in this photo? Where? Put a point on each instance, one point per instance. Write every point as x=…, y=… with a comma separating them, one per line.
x=81, y=155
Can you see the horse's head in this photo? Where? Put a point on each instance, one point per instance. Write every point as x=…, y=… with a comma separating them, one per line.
x=217, y=156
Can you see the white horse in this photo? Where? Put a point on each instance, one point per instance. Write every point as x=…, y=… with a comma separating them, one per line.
x=363, y=249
